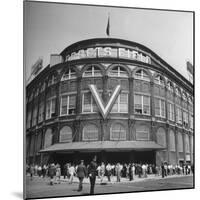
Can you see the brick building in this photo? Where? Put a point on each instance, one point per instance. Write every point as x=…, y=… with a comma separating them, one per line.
x=112, y=98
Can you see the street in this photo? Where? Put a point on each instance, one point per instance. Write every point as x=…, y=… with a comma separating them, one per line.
x=40, y=187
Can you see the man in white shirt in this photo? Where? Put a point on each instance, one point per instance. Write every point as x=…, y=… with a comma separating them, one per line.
x=71, y=173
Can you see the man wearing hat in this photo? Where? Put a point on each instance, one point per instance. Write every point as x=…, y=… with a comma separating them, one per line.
x=81, y=174
x=92, y=171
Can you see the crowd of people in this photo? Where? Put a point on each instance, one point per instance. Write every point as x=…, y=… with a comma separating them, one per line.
x=104, y=171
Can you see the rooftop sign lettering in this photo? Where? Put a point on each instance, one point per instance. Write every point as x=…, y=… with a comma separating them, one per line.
x=100, y=52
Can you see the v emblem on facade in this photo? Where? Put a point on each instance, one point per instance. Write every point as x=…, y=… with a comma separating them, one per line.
x=104, y=109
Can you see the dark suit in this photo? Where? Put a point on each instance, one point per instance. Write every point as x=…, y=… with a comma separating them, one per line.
x=92, y=174
x=81, y=173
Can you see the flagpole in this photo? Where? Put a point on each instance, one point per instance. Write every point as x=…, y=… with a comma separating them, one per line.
x=108, y=25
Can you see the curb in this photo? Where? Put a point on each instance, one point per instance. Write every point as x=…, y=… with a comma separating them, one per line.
x=127, y=181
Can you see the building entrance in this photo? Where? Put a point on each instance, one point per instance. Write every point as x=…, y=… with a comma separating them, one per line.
x=115, y=157
x=148, y=157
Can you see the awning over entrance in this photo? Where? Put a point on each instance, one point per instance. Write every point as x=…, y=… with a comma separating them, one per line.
x=103, y=145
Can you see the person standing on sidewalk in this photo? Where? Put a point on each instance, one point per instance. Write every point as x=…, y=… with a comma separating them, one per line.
x=31, y=171
x=71, y=173
x=81, y=174
x=163, y=170
x=102, y=171
x=92, y=171
x=108, y=170
x=118, y=169
x=58, y=173
x=52, y=173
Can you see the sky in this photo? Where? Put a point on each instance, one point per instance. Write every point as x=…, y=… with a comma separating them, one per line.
x=49, y=28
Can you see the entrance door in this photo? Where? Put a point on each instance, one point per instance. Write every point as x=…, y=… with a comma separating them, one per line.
x=144, y=157
x=115, y=157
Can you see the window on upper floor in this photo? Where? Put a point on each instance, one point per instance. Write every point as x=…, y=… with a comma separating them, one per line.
x=159, y=80
x=172, y=146
x=65, y=134
x=184, y=101
x=31, y=97
x=159, y=107
x=141, y=104
x=69, y=74
x=178, y=96
x=142, y=132
x=92, y=71
x=142, y=75
x=170, y=86
x=191, y=120
x=41, y=112
x=170, y=109
x=52, y=80
x=48, y=138
x=185, y=118
x=117, y=132
x=178, y=115
x=121, y=104
x=36, y=92
x=118, y=71
x=161, y=137
x=88, y=103
x=28, y=124
x=43, y=87
x=50, y=107
x=170, y=91
x=34, y=119
x=68, y=104
x=90, y=132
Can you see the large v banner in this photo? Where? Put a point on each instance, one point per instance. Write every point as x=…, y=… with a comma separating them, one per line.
x=104, y=109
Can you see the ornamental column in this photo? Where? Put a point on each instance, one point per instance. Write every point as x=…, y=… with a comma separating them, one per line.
x=131, y=99
x=79, y=96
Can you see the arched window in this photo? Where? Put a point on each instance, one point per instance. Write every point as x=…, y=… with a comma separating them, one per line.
x=42, y=88
x=170, y=86
x=172, y=141
x=142, y=75
x=90, y=132
x=178, y=93
x=118, y=132
x=161, y=137
x=180, y=142
x=142, y=132
x=66, y=134
x=52, y=80
x=69, y=74
x=48, y=138
x=31, y=97
x=92, y=71
x=159, y=80
x=37, y=92
x=118, y=71
x=184, y=96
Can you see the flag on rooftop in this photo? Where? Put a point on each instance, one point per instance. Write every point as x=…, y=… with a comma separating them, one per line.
x=108, y=27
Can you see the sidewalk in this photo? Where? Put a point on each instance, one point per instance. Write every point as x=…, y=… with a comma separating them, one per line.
x=123, y=180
